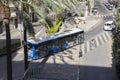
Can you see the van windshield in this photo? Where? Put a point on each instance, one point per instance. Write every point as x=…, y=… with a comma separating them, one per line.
x=107, y=24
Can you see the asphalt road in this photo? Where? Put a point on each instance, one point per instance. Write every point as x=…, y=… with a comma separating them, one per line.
x=97, y=64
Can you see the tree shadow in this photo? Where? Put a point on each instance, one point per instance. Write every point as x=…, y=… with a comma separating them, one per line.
x=3, y=42
x=47, y=69
x=71, y=72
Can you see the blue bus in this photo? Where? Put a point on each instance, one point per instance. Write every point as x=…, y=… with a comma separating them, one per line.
x=43, y=46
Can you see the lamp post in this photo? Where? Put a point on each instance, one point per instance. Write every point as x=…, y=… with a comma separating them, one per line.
x=6, y=20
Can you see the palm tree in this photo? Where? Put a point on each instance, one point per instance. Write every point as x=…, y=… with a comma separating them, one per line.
x=58, y=7
x=26, y=4
x=39, y=7
x=24, y=17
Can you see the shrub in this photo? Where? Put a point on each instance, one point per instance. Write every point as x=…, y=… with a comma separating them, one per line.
x=118, y=70
x=118, y=51
x=14, y=47
x=56, y=27
x=69, y=14
x=76, y=14
x=82, y=14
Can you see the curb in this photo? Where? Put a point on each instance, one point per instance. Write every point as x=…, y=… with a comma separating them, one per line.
x=12, y=30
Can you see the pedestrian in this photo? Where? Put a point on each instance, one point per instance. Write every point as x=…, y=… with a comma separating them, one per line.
x=76, y=21
x=80, y=53
x=92, y=42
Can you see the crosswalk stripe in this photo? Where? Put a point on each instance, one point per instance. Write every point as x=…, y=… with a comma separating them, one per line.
x=103, y=15
x=108, y=35
x=97, y=43
x=105, y=37
x=99, y=15
x=108, y=16
x=90, y=47
x=101, y=39
x=98, y=40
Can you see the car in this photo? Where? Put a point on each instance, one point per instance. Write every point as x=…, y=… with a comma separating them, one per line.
x=94, y=10
x=105, y=3
x=109, y=26
x=112, y=2
x=108, y=6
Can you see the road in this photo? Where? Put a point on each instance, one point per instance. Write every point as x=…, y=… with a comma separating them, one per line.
x=97, y=64
x=97, y=61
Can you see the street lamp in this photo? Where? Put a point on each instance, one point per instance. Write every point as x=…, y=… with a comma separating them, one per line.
x=5, y=12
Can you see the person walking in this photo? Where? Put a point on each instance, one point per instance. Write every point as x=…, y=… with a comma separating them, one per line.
x=92, y=42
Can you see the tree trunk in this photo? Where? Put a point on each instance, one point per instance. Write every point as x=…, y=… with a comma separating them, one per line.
x=6, y=22
x=32, y=16
x=8, y=49
x=25, y=50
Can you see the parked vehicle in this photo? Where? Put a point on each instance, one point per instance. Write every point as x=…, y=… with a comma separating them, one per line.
x=108, y=6
x=109, y=26
x=95, y=10
x=105, y=3
x=112, y=2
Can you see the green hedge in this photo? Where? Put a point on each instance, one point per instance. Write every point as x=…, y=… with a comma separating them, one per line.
x=118, y=70
x=14, y=47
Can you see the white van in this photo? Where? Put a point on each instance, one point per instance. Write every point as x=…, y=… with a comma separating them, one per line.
x=109, y=25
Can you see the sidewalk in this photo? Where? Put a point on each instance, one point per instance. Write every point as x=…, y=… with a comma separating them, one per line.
x=90, y=23
x=61, y=66
x=16, y=34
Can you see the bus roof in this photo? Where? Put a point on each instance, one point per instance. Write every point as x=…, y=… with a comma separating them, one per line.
x=39, y=40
